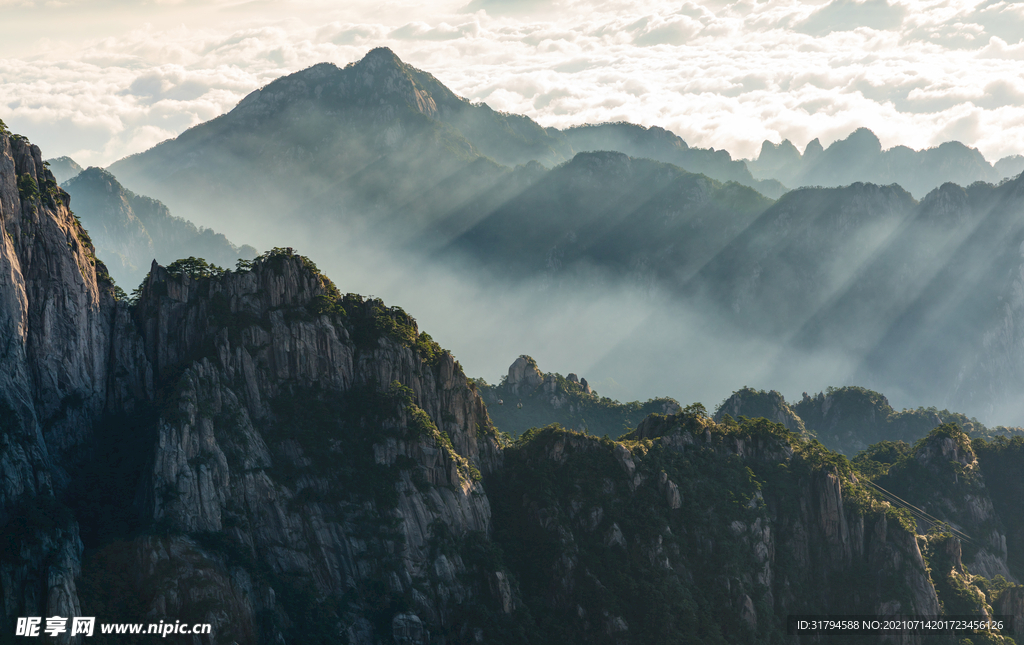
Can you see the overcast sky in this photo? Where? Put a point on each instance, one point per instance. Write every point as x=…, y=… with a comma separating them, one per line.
x=98, y=80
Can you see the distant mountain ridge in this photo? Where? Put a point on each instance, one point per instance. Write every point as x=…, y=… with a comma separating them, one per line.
x=377, y=136
x=661, y=145
x=644, y=221
x=63, y=168
x=862, y=276
x=130, y=231
x=860, y=158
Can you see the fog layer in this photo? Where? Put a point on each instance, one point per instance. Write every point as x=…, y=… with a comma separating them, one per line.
x=637, y=274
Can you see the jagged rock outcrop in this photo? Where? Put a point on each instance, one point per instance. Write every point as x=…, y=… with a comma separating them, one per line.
x=944, y=478
x=528, y=398
x=523, y=374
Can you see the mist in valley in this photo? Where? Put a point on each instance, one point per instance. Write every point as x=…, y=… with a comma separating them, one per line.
x=634, y=336
x=615, y=251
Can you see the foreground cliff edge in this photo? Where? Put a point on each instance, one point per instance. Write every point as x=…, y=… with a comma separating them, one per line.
x=252, y=449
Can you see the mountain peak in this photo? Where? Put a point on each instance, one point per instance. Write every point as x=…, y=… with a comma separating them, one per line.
x=379, y=85
x=94, y=174
x=864, y=140
x=63, y=168
x=381, y=55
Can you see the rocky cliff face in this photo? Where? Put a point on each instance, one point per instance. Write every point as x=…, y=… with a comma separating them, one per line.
x=944, y=478
x=291, y=443
x=56, y=312
x=692, y=524
x=321, y=450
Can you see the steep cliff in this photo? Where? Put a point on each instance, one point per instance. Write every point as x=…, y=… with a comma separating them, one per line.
x=249, y=449
x=304, y=448
x=56, y=314
x=693, y=531
x=943, y=476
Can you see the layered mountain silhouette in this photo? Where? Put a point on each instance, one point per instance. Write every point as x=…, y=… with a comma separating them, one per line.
x=63, y=168
x=922, y=296
x=661, y=145
x=130, y=231
x=860, y=158
x=914, y=298
x=642, y=220
x=255, y=449
x=373, y=140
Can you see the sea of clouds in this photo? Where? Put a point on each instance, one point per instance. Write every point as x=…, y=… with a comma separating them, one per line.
x=102, y=79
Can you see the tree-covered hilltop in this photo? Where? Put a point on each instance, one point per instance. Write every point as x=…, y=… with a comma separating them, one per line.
x=850, y=419
x=527, y=398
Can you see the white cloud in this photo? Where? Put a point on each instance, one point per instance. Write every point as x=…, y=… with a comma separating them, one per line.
x=846, y=15
x=108, y=78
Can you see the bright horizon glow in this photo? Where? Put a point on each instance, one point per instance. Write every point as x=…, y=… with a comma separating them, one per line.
x=99, y=80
